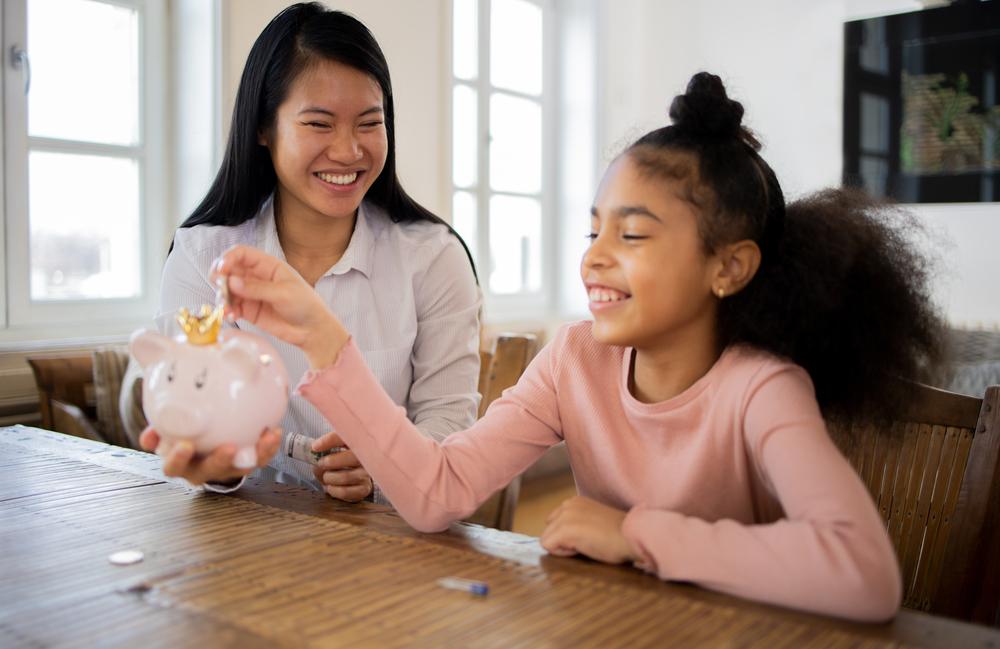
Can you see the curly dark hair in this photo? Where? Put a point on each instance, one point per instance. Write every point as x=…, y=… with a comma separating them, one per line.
x=841, y=289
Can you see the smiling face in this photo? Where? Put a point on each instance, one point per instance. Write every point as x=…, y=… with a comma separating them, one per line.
x=646, y=271
x=328, y=143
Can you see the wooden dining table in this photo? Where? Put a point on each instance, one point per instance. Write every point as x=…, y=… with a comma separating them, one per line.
x=278, y=566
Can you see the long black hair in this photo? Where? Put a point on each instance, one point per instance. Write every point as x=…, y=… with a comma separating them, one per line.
x=841, y=289
x=295, y=39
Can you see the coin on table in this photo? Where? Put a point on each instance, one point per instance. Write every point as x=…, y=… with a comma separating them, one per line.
x=125, y=557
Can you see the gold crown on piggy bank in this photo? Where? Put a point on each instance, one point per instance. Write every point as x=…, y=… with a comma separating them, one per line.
x=201, y=329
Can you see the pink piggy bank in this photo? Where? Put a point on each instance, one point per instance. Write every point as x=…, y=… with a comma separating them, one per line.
x=211, y=393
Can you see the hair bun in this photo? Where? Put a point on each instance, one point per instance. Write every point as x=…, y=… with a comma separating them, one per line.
x=705, y=110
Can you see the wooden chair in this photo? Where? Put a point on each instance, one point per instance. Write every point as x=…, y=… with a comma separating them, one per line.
x=78, y=393
x=66, y=393
x=934, y=477
x=498, y=370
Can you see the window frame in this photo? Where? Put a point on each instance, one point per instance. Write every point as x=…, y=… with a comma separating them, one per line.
x=523, y=304
x=21, y=319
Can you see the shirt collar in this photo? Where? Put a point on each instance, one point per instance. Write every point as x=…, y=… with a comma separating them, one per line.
x=360, y=251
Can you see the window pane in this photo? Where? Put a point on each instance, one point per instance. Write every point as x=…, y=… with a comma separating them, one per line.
x=464, y=28
x=875, y=174
x=464, y=136
x=84, y=71
x=874, y=123
x=515, y=244
x=515, y=144
x=85, y=235
x=516, y=46
x=464, y=220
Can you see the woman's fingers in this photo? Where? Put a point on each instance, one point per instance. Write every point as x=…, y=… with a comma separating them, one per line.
x=347, y=478
x=177, y=461
x=340, y=461
x=243, y=260
x=217, y=466
x=258, y=290
x=350, y=494
x=268, y=445
x=350, y=484
x=326, y=442
x=149, y=439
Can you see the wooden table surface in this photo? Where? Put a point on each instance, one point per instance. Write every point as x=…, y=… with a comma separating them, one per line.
x=279, y=566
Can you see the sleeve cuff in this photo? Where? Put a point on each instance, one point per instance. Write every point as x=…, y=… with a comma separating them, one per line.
x=314, y=375
x=224, y=487
x=632, y=530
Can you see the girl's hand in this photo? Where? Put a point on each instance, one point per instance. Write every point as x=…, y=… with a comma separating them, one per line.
x=340, y=473
x=269, y=293
x=585, y=526
x=180, y=461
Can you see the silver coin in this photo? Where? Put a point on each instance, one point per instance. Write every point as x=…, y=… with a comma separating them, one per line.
x=221, y=290
x=125, y=557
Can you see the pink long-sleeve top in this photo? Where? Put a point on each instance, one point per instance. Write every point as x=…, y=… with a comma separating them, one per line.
x=733, y=485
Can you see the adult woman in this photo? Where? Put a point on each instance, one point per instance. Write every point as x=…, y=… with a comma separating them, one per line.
x=309, y=176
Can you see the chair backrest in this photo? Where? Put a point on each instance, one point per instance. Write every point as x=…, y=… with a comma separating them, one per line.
x=69, y=379
x=498, y=370
x=933, y=475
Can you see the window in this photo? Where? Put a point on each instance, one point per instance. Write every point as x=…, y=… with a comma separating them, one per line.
x=83, y=167
x=501, y=184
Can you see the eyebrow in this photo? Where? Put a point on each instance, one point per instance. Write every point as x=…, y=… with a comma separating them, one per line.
x=324, y=111
x=629, y=210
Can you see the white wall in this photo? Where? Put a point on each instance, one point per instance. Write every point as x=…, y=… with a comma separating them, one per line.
x=784, y=60
x=414, y=39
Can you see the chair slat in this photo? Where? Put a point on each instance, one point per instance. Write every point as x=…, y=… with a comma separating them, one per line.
x=952, y=467
x=881, y=452
x=894, y=448
x=911, y=561
x=904, y=492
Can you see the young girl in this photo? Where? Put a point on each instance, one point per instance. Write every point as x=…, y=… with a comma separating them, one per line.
x=688, y=405
x=309, y=176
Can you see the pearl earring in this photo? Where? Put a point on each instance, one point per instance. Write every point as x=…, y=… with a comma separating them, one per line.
x=721, y=292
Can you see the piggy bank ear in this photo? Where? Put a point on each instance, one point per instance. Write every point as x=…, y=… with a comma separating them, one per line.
x=149, y=347
x=242, y=357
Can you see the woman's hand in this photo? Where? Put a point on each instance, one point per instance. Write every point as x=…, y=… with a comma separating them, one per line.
x=585, y=526
x=180, y=461
x=340, y=473
x=268, y=293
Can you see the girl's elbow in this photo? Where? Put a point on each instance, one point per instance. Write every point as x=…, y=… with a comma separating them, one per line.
x=877, y=596
x=430, y=526
x=886, y=595
x=428, y=522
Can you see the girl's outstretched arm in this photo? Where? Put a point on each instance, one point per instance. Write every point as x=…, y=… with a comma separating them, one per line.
x=430, y=483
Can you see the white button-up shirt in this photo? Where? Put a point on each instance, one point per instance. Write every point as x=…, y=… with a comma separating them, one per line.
x=405, y=292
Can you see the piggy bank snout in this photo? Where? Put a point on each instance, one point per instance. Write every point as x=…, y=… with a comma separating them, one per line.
x=178, y=420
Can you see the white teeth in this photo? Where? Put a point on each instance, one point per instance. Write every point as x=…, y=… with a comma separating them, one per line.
x=605, y=295
x=345, y=179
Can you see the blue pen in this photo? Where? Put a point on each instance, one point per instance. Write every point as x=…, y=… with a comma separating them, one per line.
x=468, y=585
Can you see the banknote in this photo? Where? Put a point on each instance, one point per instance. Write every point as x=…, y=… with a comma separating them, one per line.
x=299, y=447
